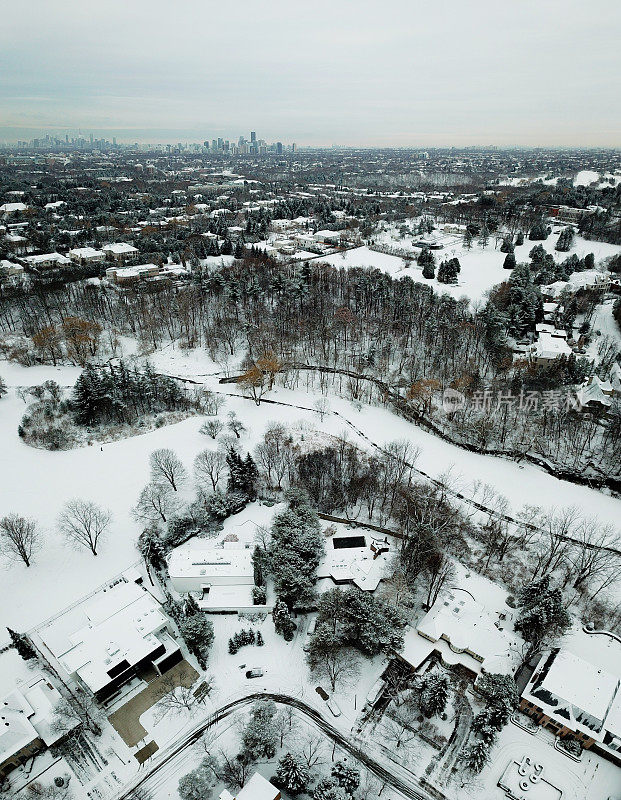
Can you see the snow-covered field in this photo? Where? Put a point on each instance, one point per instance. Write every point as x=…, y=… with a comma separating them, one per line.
x=481, y=268
x=37, y=482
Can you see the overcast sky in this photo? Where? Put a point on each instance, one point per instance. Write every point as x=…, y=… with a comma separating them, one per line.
x=385, y=73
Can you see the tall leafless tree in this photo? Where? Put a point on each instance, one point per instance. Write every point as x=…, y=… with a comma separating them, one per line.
x=84, y=523
x=166, y=466
x=19, y=537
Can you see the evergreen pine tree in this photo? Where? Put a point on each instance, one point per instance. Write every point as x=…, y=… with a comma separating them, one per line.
x=22, y=644
x=509, y=262
x=283, y=623
x=347, y=777
x=292, y=774
x=434, y=694
x=475, y=756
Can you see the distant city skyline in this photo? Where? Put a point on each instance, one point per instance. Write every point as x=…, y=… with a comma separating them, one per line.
x=407, y=74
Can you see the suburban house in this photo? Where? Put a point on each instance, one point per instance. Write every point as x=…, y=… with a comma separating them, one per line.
x=150, y=273
x=223, y=575
x=87, y=255
x=257, y=788
x=352, y=559
x=121, y=252
x=550, y=345
x=12, y=208
x=595, y=394
x=47, y=261
x=115, y=639
x=26, y=717
x=327, y=237
x=575, y=698
x=461, y=632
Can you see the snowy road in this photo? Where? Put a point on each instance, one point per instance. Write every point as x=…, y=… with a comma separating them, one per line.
x=398, y=778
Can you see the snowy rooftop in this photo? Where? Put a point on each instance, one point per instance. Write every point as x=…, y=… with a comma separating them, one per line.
x=550, y=346
x=234, y=560
x=85, y=252
x=119, y=248
x=578, y=694
x=26, y=714
x=466, y=626
x=580, y=683
x=44, y=257
x=359, y=565
x=257, y=788
x=117, y=624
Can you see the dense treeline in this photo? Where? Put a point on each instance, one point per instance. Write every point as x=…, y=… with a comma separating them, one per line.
x=367, y=323
x=118, y=393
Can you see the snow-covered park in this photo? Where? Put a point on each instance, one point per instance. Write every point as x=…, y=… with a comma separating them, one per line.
x=481, y=268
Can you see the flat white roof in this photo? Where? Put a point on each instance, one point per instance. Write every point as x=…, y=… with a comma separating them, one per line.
x=117, y=624
x=208, y=562
x=86, y=252
x=584, y=685
x=119, y=248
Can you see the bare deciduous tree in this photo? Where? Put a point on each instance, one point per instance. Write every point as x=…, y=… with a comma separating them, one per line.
x=165, y=465
x=322, y=407
x=183, y=699
x=209, y=466
x=338, y=665
x=156, y=502
x=84, y=523
x=235, y=425
x=20, y=537
x=211, y=428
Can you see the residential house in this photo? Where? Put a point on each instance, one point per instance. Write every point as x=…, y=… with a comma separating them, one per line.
x=26, y=717
x=116, y=638
x=12, y=208
x=462, y=633
x=595, y=394
x=574, y=698
x=47, y=261
x=87, y=255
x=257, y=788
x=121, y=252
x=550, y=345
x=355, y=559
x=223, y=575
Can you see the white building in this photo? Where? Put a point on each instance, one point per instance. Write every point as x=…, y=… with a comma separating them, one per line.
x=26, y=717
x=223, y=575
x=13, y=208
x=257, y=788
x=595, y=393
x=354, y=558
x=463, y=634
x=47, y=261
x=572, y=697
x=116, y=637
x=86, y=255
x=121, y=251
x=550, y=345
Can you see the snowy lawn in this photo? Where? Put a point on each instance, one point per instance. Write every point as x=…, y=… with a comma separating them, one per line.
x=481, y=268
x=37, y=482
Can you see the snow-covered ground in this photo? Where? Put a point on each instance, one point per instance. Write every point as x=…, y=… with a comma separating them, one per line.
x=38, y=482
x=481, y=268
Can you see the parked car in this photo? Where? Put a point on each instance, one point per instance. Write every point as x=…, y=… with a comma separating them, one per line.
x=311, y=630
x=332, y=705
x=322, y=693
x=256, y=672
